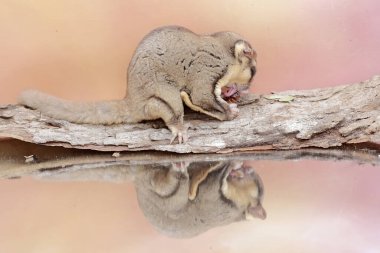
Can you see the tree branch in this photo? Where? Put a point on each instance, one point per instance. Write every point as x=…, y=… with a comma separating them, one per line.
x=322, y=118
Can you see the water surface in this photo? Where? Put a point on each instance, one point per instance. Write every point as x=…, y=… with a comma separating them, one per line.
x=80, y=201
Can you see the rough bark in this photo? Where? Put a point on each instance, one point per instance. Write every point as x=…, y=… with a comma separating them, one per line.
x=322, y=118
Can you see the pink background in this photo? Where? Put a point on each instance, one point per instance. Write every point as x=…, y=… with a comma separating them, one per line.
x=80, y=50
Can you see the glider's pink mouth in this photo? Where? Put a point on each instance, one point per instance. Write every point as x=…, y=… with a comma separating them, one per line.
x=230, y=93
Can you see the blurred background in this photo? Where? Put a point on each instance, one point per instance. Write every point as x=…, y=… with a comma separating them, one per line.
x=80, y=50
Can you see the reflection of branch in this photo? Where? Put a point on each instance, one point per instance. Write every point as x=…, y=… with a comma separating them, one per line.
x=324, y=118
x=89, y=165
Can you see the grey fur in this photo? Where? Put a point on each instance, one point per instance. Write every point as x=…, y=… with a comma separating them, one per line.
x=168, y=61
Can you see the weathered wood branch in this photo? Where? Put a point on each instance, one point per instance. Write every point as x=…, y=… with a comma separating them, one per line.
x=323, y=118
